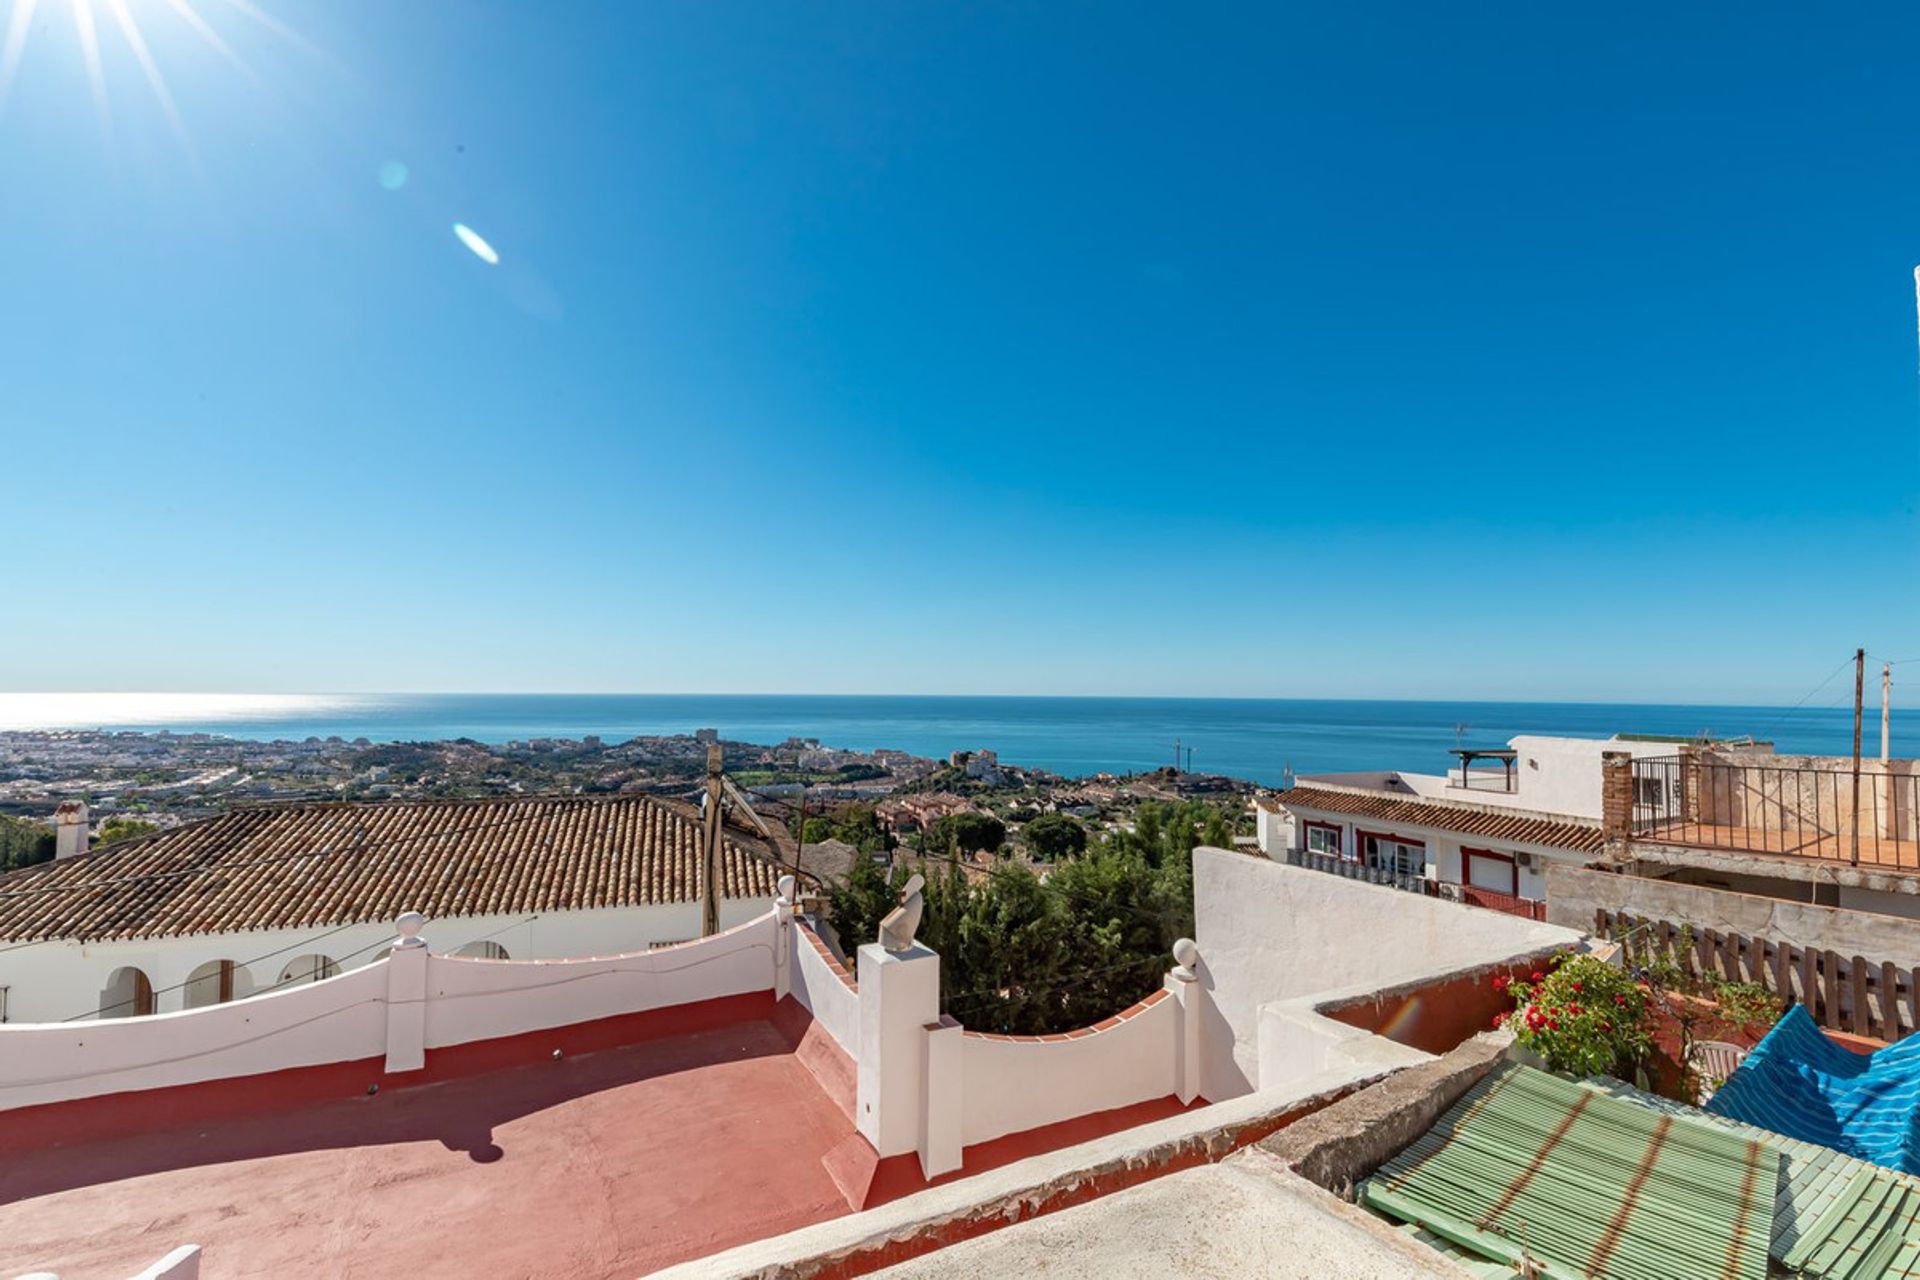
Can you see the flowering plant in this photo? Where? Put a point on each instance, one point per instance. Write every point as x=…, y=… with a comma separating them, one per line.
x=1580, y=1014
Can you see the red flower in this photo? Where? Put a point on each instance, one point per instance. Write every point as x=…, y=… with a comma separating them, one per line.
x=1620, y=1000
x=1573, y=1008
x=1500, y=982
x=1578, y=987
x=1538, y=976
x=1499, y=1018
x=1553, y=1024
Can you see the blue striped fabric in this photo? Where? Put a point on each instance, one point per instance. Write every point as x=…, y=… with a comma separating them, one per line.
x=1801, y=1084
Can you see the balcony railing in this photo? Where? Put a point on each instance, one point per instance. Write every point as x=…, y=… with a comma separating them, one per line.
x=1825, y=811
x=1510, y=904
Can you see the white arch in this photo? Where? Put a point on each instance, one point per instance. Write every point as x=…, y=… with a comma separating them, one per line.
x=128, y=993
x=216, y=982
x=483, y=950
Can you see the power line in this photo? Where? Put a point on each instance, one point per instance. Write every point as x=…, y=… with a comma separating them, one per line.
x=239, y=964
x=1796, y=707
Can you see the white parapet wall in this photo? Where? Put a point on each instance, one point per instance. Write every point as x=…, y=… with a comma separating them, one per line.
x=1016, y=1083
x=470, y=999
x=342, y=1019
x=822, y=986
x=1270, y=932
x=397, y=1008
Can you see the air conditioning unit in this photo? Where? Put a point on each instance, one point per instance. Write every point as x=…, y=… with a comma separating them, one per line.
x=1523, y=860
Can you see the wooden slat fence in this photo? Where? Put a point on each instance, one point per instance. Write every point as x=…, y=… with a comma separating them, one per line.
x=1853, y=994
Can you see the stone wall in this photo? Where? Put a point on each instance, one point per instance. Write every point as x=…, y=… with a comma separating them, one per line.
x=1575, y=893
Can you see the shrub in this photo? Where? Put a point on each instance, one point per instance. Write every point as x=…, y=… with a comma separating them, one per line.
x=1581, y=1015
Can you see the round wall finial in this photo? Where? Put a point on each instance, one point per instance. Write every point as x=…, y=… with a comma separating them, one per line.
x=1186, y=953
x=409, y=925
x=786, y=886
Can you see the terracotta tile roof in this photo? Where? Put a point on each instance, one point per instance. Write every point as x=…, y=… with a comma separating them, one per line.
x=1571, y=834
x=298, y=866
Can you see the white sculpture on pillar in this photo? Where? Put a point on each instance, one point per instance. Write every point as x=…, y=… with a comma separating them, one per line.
x=1185, y=955
x=897, y=930
x=408, y=925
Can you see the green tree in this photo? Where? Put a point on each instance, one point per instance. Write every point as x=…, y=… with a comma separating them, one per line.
x=114, y=830
x=1010, y=952
x=1054, y=836
x=970, y=833
x=23, y=843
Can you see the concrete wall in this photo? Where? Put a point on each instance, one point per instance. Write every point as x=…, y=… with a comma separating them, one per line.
x=819, y=987
x=57, y=980
x=1270, y=932
x=1573, y=895
x=1016, y=1083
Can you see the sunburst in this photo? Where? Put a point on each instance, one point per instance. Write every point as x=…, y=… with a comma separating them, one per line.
x=124, y=18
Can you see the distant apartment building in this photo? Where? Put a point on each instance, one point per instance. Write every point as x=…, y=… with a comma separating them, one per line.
x=1484, y=831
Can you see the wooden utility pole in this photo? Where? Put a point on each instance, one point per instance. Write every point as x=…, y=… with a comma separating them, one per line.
x=1859, y=696
x=1886, y=707
x=710, y=848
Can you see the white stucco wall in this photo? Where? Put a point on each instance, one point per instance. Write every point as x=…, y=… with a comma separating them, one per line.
x=1016, y=1084
x=481, y=999
x=834, y=1004
x=1269, y=932
x=1551, y=775
x=57, y=980
x=337, y=1020
x=355, y=1016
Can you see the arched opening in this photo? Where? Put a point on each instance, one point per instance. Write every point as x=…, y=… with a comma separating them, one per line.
x=307, y=969
x=483, y=951
x=128, y=994
x=217, y=982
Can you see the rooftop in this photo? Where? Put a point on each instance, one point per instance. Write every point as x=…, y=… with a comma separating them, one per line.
x=628, y=1160
x=1489, y=822
x=305, y=865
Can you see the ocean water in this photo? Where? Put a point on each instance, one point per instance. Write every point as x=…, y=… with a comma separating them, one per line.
x=1248, y=738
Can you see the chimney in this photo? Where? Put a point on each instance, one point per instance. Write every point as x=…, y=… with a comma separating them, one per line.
x=1616, y=798
x=70, y=828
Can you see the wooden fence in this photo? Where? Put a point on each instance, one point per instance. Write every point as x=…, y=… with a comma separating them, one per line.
x=1843, y=993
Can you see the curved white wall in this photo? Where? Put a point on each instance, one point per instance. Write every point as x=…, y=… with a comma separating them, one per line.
x=1012, y=1085
x=471, y=999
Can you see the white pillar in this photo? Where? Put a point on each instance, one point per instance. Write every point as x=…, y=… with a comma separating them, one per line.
x=941, y=1105
x=786, y=937
x=899, y=997
x=1184, y=983
x=407, y=997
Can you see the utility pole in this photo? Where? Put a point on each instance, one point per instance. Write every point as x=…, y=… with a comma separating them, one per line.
x=710, y=848
x=1176, y=755
x=1886, y=707
x=1859, y=696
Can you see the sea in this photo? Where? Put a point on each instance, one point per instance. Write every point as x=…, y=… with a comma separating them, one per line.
x=1261, y=739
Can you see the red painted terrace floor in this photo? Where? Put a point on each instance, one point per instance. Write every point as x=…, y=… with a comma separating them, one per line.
x=609, y=1164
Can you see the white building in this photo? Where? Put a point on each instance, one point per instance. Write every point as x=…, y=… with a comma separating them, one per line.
x=269, y=896
x=1489, y=825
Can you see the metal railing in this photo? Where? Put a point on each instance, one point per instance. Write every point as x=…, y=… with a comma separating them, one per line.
x=1825, y=811
x=1510, y=904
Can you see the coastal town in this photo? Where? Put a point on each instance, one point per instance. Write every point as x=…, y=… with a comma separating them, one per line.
x=135, y=782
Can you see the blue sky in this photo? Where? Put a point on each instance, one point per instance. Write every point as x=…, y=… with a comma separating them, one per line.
x=1404, y=350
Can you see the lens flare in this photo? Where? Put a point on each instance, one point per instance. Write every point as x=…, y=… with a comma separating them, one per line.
x=472, y=239
x=393, y=175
